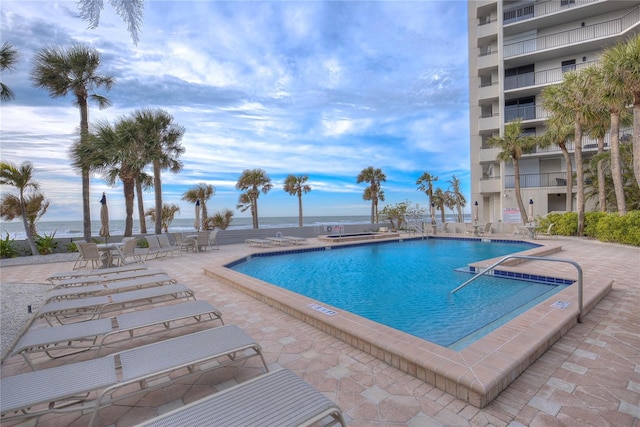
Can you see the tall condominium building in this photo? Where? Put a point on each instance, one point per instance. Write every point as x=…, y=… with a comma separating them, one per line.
x=516, y=49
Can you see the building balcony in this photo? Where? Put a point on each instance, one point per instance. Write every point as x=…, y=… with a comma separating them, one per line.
x=542, y=78
x=487, y=60
x=488, y=154
x=490, y=185
x=579, y=35
x=487, y=29
x=538, y=9
x=491, y=91
x=489, y=122
x=589, y=144
x=525, y=113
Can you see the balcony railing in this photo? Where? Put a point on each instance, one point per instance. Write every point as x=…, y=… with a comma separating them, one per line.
x=540, y=9
x=577, y=35
x=545, y=77
x=529, y=112
x=532, y=180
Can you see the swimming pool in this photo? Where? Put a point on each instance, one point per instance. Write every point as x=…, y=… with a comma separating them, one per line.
x=405, y=285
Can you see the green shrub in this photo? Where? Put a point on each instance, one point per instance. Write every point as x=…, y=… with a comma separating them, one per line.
x=46, y=244
x=566, y=224
x=620, y=229
x=591, y=220
x=72, y=247
x=142, y=243
x=6, y=248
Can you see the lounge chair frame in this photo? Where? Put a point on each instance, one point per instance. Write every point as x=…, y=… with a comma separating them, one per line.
x=278, y=398
x=65, y=275
x=67, y=388
x=64, y=340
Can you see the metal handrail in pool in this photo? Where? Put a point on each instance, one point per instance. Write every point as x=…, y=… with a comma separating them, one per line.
x=534, y=258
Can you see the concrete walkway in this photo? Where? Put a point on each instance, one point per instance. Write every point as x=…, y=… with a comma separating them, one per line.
x=591, y=376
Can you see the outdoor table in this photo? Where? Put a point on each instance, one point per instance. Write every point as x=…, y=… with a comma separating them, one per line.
x=105, y=249
x=531, y=230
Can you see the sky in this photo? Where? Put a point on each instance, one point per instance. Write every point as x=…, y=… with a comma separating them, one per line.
x=317, y=88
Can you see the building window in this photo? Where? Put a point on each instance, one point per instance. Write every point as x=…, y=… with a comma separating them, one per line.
x=569, y=65
x=567, y=2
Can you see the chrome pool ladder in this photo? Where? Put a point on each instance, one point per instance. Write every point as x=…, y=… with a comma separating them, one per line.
x=533, y=258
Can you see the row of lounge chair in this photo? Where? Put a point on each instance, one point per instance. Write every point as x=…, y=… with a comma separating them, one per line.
x=278, y=240
x=78, y=321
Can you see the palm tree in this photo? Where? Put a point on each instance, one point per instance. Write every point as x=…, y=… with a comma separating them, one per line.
x=296, y=186
x=439, y=199
x=457, y=197
x=118, y=153
x=75, y=71
x=623, y=61
x=575, y=104
x=22, y=179
x=36, y=206
x=253, y=182
x=221, y=219
x=131, y=12
x=559, y=133
x=425, y=183
x=163, y=148
x=374, y=177
x=168, y=214
x=513, y=145
x=8, y=59
x=202, y=192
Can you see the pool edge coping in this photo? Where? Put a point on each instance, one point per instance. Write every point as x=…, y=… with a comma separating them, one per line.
x=476, y=374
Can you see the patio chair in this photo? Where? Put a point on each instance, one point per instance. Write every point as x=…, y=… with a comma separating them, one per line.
x=127, y=255
x=64, y=340
x=155, y=249
x=166, y=246
x=204, y=240
x=185, y=243
x=274, y=399
x=548, y=233
x=68, y=387
x=88, y=254
x=296, y=240
x=486, y=229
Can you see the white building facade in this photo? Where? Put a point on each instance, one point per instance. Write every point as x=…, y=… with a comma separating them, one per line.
x=517, y=48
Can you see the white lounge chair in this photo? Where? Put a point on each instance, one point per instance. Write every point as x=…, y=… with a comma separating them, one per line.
x=105, y=278
x=165, y=245
x=259, y=242
x=81, y=309
x=279, y=398
x=155, y=250
x=61, y=389
x=109, y=287
x=296, y=240
x=65, y=275
x=64, y=340
x=485, y=230
x=549, y=233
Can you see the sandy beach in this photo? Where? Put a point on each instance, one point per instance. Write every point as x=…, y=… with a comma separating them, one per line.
x=591, y=376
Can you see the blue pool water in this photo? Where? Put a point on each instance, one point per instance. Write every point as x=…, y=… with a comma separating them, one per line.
x=406, y=285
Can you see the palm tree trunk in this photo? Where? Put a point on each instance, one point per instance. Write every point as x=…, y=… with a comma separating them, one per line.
x=568, y=177
x=516, y=178
x=143, y=220
x=86, y=196
x=27, y=229
x=636, y=136
x=157, y=187
x=129, y=193
x=299, y=210
x=616, y=168
x=580, y=178
x=602, y=198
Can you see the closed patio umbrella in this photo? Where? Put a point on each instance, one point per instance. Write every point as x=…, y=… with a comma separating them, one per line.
x=196, y=223
x=104, y=218
x=530, y=210
x=475, y=212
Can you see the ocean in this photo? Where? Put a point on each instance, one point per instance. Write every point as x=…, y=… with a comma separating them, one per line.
x=15, y=228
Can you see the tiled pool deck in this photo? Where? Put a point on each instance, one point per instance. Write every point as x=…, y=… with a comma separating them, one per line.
x=590, y=376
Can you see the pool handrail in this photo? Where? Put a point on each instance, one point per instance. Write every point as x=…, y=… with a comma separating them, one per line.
x=533, y=258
